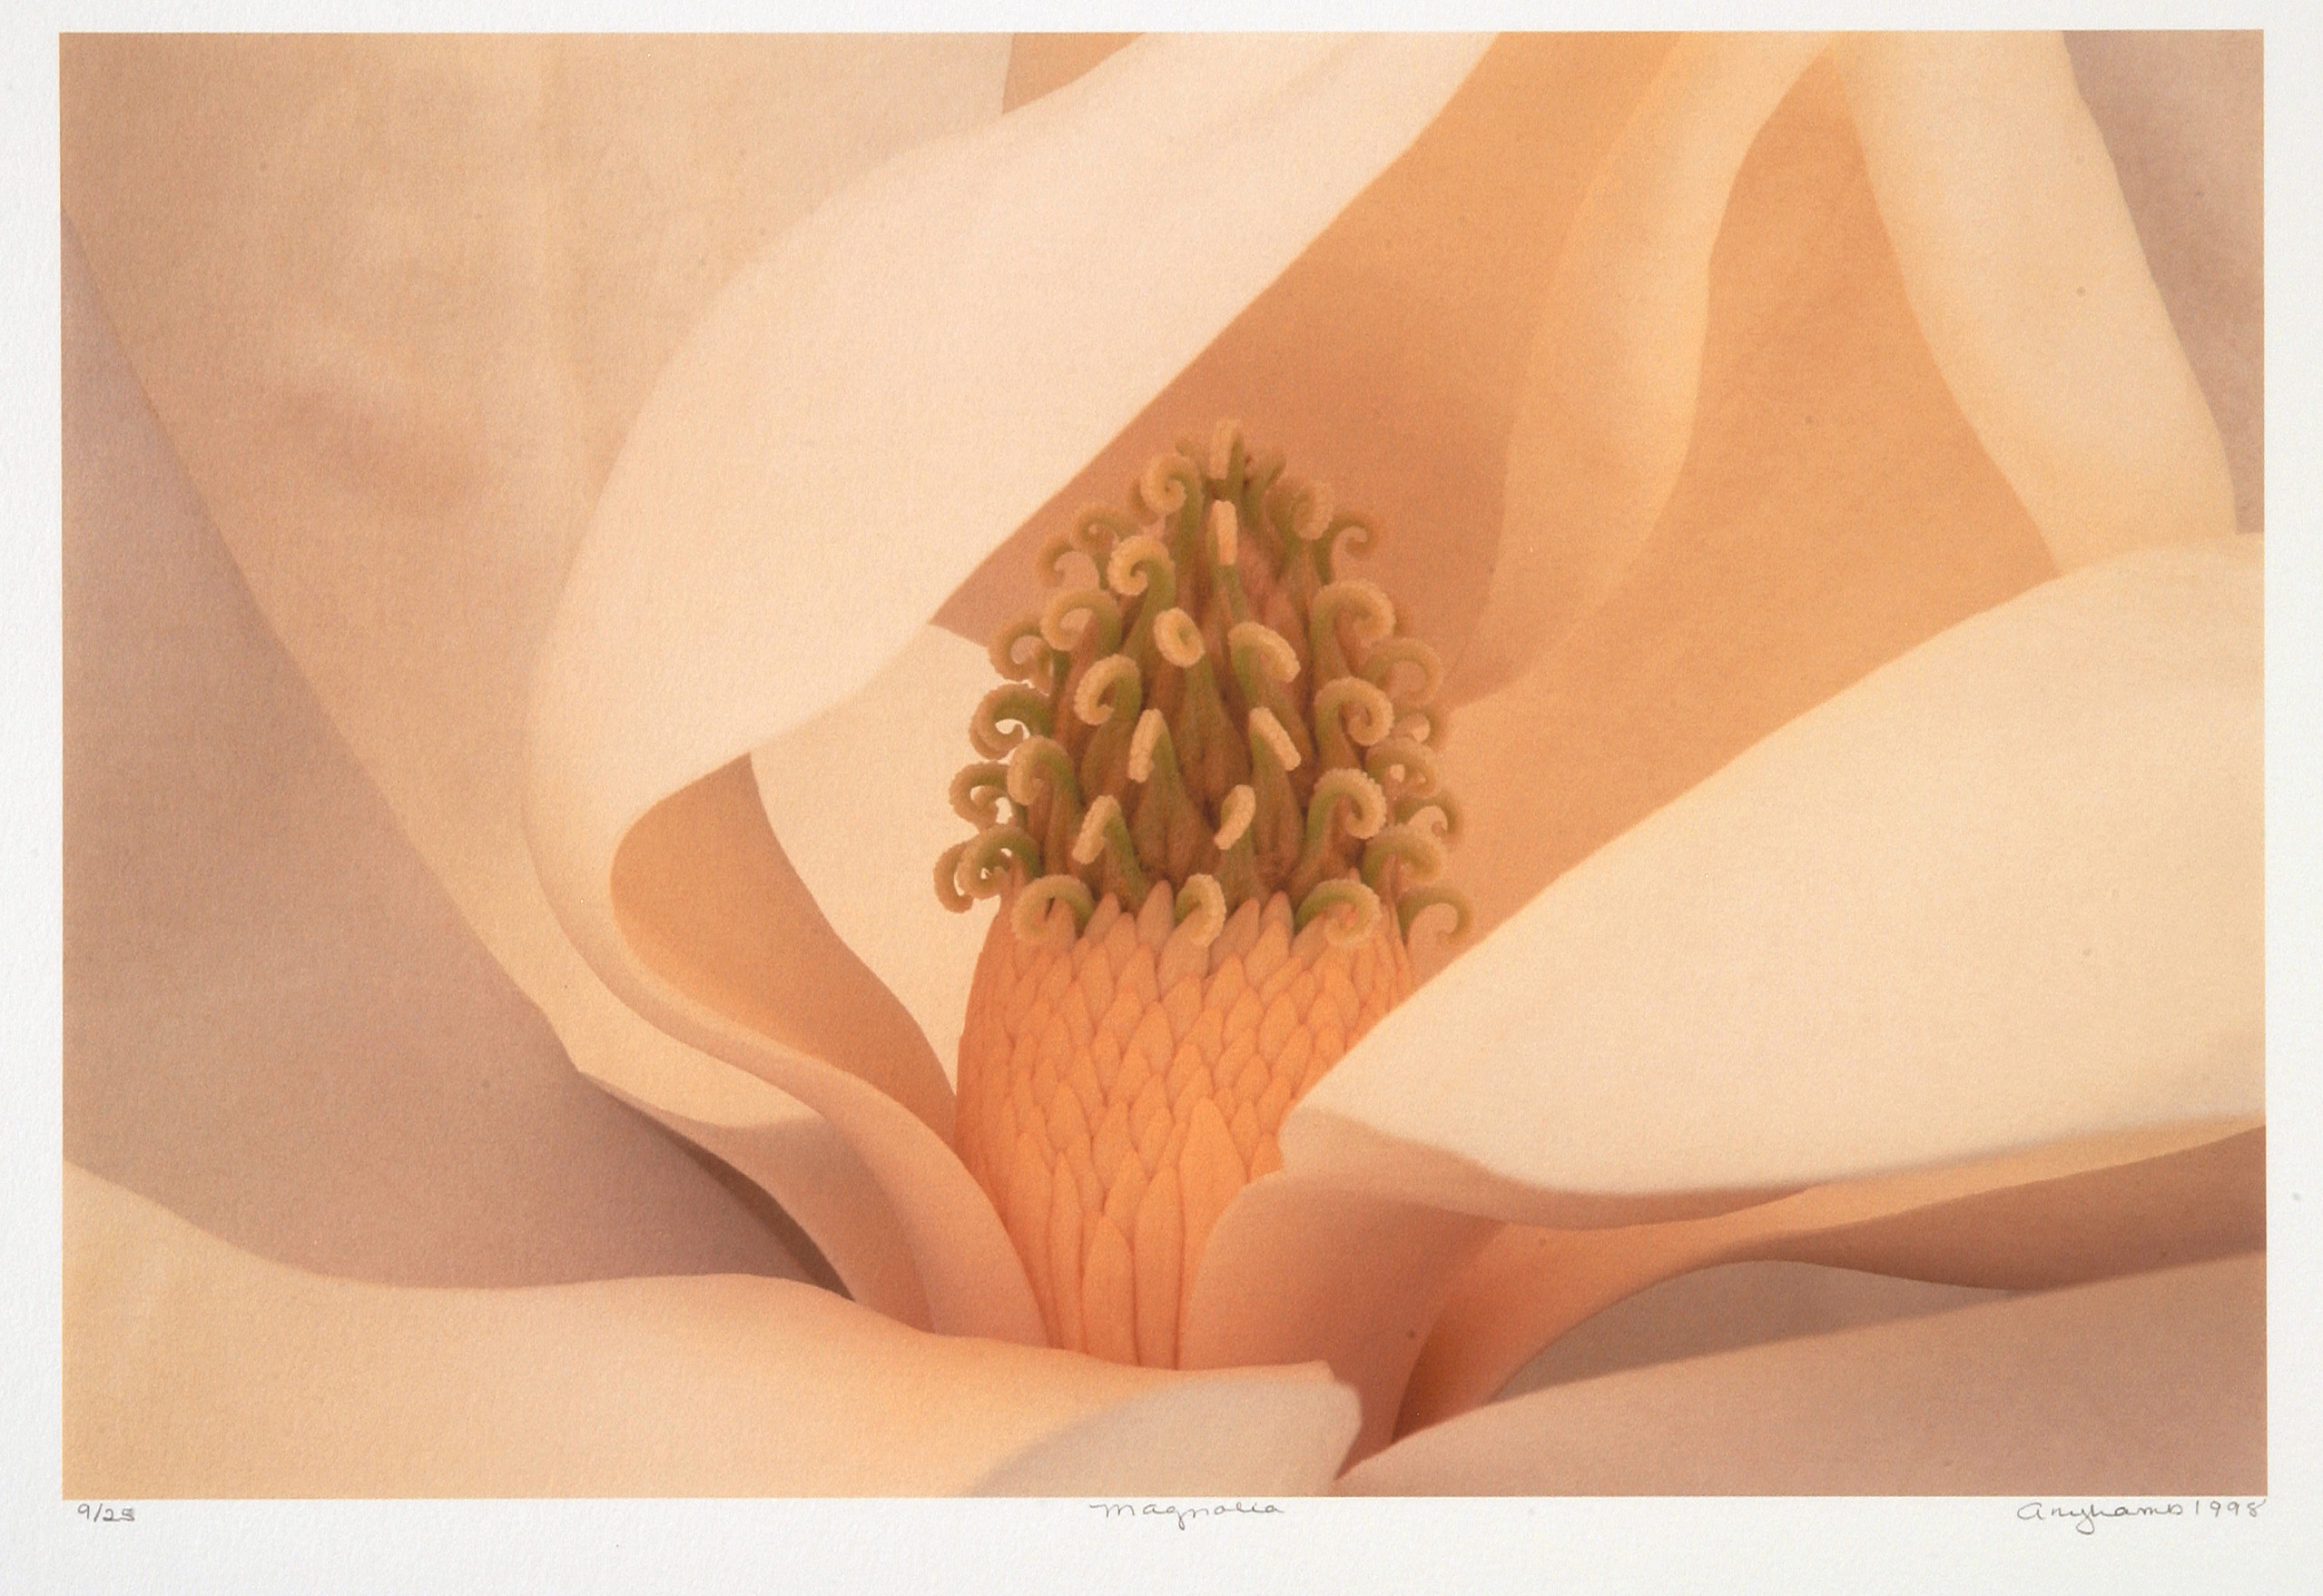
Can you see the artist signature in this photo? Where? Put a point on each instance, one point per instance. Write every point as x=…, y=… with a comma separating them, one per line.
x=2084, y=1516
x=1184, y=1515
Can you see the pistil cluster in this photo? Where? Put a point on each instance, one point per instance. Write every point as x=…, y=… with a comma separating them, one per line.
x=1208, y=700
x=1209, y=801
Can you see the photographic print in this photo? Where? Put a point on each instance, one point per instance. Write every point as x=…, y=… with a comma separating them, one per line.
x=1197, y=767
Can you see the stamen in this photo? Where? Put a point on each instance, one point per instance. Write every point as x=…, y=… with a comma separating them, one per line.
x=1365, y=805
x=1038, y=760
x=1150, y=728
x=1003, y=652
x=1091, y=842
x=1166, y=481
x=1411, y=806
x=1416, y=903
x=1403, y=764
x=1259, y=641
x=1265, y=728
x=1178, y=638
x=1420, y=854
x=1225, y=438
x=1116, y=670
x=1202, y=908
x=1356, y=906
x=1375, y=717
x=1235, y=816
x=1105, y=832
x=1065, y=623
x=1380, y=664
x=995, y=857
x=947, y=890
x=1012, y=703
x=977, y=792
x=1225, y=532
x=1368, y=610
x=1137, y=559
x=1055, y=549
x=1030, y=919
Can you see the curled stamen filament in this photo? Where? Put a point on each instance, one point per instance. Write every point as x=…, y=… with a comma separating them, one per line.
x=1414, y=904
x=1067, y=620
x=1011, y=702
x=1338, y=735
x=1202, y=908
x=1418, y=853
x=1178, y=638
x=1136, y=561
x=977, y=792
x=1031, y=916
x=1235, y=816
x=1356, y=908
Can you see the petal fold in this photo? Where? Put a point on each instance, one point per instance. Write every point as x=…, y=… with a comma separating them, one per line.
x=1298, y=1270
x=2005, y=892
x=2025, y=270
x=1607, y=410
x=194, y=1369
x=2057, y=1216
x=858, y=420
x=2081, y=1390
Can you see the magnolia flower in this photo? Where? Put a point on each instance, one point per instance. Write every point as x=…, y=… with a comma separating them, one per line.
x=1857, y=731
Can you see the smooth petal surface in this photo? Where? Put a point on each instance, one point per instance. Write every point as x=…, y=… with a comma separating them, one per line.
x=436, y=363
x=2055, y=1216
x=830, y=451
x=276, y=1022
x=2005, y=892
x=2080, y=1390
x=1611, y=386
x=859, y=796
x=193, y=1368
x=2026, y=274
x=1298, y=1270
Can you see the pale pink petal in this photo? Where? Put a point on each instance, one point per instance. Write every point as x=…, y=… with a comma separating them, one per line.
x=413, y=291
x=1606, y=409
x=1297, y=1270
x=830, y=451
x=276, y=1022
x=2146, y=1385
x=2027, y=277
x=2005, y=892
x=2055, y=1216
x=193, y=1368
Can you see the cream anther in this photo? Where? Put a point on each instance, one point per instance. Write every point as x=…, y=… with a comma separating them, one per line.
x=1104, y=814
x=1088, y=698
x=1235, y=816
x=1267, y=729
x=1178, y=638
x=1141, y=745
x=1225, y=532
x=1273, y=649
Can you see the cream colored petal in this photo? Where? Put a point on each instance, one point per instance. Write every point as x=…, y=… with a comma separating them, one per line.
x=2027, y=277
x=832, y=450
x=858, y=795
x=1833, y=510
x=277, y=1023
x=2005, y=892
x=397, y=302
x=1388, y=359
x=1296, y=1270
x=2058, y=1215
x=1607, y=404
x=2148, y=1386
x=193, y=1369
